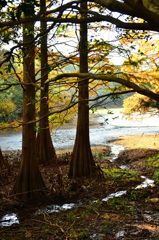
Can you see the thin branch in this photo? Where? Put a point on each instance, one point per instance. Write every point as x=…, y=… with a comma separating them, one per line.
x=5, y=88
x=16, y=74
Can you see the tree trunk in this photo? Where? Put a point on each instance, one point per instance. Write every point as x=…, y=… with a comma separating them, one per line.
x=3, y=162
x=29, y=184
x=45, y=149
x=82, y=163
x=4, y=168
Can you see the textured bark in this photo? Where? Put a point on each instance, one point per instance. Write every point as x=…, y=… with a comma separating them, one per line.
x=45, y=150
x=29, y=184
x=82, y=163
x=3, y=162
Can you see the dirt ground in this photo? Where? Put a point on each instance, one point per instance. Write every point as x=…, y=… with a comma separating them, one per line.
x=133, y=216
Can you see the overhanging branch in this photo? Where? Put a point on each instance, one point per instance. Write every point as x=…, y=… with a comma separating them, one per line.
x=129, y=84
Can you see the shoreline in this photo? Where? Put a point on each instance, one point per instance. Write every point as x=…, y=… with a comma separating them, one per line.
x=70, y=125
x=133, y=141
x=129, y=141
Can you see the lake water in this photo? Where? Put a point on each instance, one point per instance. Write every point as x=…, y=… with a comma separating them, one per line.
x=111, y=126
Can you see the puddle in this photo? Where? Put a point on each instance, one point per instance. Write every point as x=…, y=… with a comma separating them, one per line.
x=115, y=150
x=9, y=219
x=148, y=182
x=113, y=195
x=120, y=234
x=124, y=167
x=56, y=208
x=97, y=236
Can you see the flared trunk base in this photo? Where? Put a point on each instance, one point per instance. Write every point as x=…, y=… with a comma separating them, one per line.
x=29, y=186
x=46, y=154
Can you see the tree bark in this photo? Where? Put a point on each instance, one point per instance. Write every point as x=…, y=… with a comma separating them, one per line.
x=29, y=184
x=82, y=163
x=3, y=162
x=45, y=150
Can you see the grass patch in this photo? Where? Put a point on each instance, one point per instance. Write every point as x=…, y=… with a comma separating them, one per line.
x=153, y=164
x=122, y=175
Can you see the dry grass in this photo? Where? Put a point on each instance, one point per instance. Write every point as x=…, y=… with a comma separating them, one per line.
x=95, y=149
x=139, y=141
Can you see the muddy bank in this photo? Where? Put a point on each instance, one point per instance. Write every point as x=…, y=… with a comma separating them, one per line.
x=133, y=215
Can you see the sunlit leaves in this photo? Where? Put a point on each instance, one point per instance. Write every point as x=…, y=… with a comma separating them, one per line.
x=142, y=68
x=6, y=108
x=135, y=103
x=60, y=98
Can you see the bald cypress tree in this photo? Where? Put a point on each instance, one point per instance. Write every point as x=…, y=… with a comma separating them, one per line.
x=82, y=163
x=45, y=150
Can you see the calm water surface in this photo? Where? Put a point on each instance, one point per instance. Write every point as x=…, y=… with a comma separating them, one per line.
x=110, y=125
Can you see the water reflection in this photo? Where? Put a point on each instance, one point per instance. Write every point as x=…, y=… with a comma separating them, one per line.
x=148, y=182
x=9, y=219
x=56, y=208
x=120, y=234
x=114, y=195
x=115, y=150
